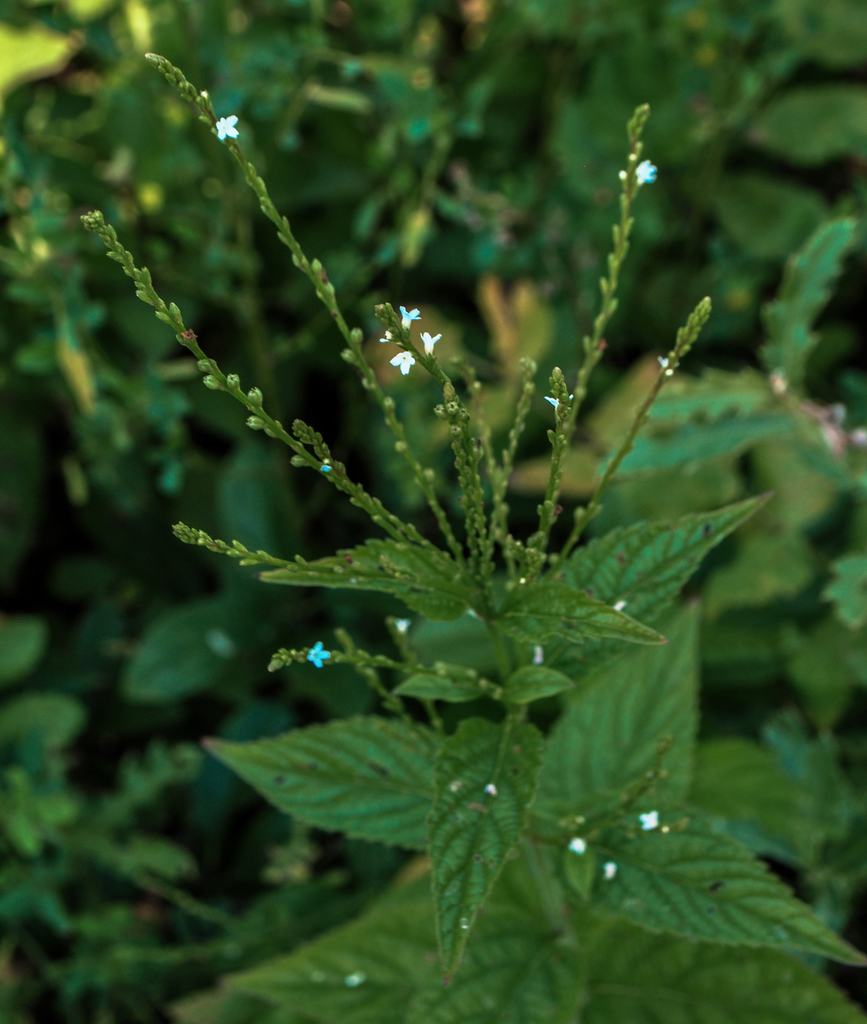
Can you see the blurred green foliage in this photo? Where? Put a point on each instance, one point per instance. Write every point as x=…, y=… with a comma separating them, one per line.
x=463, y=157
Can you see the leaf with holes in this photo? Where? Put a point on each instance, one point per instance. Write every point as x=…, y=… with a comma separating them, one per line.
x=697, y=882
x=636, y=978
x=645, y=566
x=485, y=780
x=424, y=578
x=547, y=608
x=369, y=777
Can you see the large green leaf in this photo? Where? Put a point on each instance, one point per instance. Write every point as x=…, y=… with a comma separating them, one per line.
x=547, y=608
x=832, y=31
x=815, y=123
x=364, y=973
x=636, y=978
x=369, y=777
x=610, y=735
x=645, y=565
x=485, y=780
x=696, y=881
x=532, y=682
x=768, y=567
x=513, y=972
x=425, y=579
x=806, y=288
x=714, y=394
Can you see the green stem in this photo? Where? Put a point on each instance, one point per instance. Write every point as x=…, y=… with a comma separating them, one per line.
x=500, y=652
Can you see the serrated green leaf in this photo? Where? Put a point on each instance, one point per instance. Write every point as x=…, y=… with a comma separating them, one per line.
x=363, y=973
x=806, y=288
x=636, y=978
x=367, y=776
x=485, y=780
x=645, y=565
x=425, y=579
x=697, y=882
x=547, y=608
x=454, y=687
x=696, y=442
x=533, y=682
x=610, y=734
x=513, y=972
x=848, y=590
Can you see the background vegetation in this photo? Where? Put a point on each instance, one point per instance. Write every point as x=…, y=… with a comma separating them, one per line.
x=461, y=157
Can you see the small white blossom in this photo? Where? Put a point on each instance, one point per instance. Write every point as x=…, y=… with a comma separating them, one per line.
x=407, y=316
x=538, y=655
x=402, y=625
x=645, y=172
x=609, y=870
x=387, y=337
x=226, y=126
x=578, y=846
x=858, y=437
x=662, y=361
x=555, y=402
x=649, y=821
x=404, y=360
x=429, y=342
x=619, y=606
x=491, y=789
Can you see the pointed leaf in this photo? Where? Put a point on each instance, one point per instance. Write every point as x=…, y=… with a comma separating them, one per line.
x=513, y=972
x=549, y=608
x=645, y=565
x=533, y=682
x=696, y=881
x=610, y=734
x=369, y=777
x=636, y=978
x=425, y=579
x=363, y=973
x=485, y=779
x=452, y=683
x=807, y=281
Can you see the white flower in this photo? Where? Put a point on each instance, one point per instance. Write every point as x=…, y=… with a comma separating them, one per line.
x=538, y=655
x=578, y=846
x=649, y=821
x=491, y=789
x=555, y=402
x=407, y=316
x=619, y=606
x=226, y=126
x=402, y=625
x=609, y=870
x=387, y=337
x=404, y=360
x=429, y=342
x=662, y=362
x=645, y=172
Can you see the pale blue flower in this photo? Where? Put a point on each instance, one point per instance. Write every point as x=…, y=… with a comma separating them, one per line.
x=649, y=821
x=325, y=469
x=538, y=655
x=387, y=337
x=317, y=654
x=609, y=869
x=402, y=625
x=404, y=360
x=407, y=316
x=226, y=126
x=577, y=845
x=645, y=172
x=553, y=401
x=429, y=342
